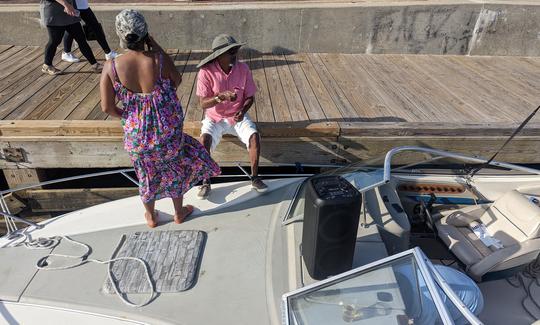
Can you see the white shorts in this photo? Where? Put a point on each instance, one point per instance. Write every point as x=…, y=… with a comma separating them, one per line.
x=243, y=130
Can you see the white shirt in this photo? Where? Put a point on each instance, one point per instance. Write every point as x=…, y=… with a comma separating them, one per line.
x=82, y=4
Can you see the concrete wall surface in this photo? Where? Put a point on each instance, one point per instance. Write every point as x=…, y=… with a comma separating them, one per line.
x=412, y=27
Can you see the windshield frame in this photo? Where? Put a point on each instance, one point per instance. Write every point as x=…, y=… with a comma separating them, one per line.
x=425, y=268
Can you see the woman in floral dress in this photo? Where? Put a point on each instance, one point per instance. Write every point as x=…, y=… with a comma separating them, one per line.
x=167, y=161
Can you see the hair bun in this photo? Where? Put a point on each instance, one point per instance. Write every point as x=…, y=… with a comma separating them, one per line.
x=132, y=38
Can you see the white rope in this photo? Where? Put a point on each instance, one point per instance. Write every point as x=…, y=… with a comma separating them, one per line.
x=531, y=273
x=52, y=242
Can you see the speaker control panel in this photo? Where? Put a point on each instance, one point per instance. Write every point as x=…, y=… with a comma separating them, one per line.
x=333, y=187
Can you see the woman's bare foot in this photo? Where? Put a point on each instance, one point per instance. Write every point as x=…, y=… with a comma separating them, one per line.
x=184, y=213
x=151, y=220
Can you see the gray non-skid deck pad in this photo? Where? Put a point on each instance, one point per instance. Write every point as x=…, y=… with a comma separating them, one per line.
x=172, y=257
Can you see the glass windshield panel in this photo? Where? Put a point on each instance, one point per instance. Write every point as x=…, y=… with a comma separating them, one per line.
x=463, y=287
x=391, y=293
x=365, y=179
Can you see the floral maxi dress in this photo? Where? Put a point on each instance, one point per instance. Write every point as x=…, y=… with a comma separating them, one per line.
x=167, y=161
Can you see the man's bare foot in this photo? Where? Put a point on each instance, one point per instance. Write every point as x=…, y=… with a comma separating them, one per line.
x=184, y=213
x=151, y=220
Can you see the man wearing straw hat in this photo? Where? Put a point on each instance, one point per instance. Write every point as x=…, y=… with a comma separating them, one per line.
x=226, y=88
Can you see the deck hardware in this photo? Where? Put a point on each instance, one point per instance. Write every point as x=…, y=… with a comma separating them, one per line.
x=14, y=155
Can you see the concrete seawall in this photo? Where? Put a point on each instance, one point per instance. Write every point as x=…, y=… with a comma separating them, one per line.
x=412, y=27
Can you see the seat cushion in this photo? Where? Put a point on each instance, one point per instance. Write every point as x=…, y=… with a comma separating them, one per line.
x=522, y=214
x=462, y=242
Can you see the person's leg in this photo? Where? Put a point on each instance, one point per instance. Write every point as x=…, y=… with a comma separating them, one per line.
x=181, y=212
x=206, y=140
x=246, y=130
x=68, y=42
x=150, y=213
x=55, y=37
x=78, y=34
x=90, y=19
x=211, y=133
x=254, y=153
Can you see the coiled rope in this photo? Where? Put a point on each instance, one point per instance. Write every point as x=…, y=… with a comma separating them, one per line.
x=52, y=242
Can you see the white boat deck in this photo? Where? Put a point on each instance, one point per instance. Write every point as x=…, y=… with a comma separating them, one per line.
x=242, y=274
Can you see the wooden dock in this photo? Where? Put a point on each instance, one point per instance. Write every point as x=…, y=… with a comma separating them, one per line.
x=311, y=108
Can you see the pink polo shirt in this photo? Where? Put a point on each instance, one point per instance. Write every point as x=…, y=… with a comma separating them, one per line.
x=212, y=80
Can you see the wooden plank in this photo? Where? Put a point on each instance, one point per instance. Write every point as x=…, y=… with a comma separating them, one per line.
x=188, y=80
x=246, y=55
x=456, y=85
x=407, y=102
x=28, y=54
x=512, y=67
x=26, y=128
x=88, y=154
x=35, y=92
x=493, y=73
x=17, y=177
x=520, y=150
x=4, y=48
x=321, y=93
x=93, y=130
x=97, y=113
x=74, y=199
x=58, y=97
x=309, y=99
x=32, y=63
x=264, y=113
x=86, y=106
x=436, y=129
x=194, y=111
x=362, y=91
x=370, y=96
x=501, y=101
x=23, y=129
x=431, y=100
x=345, y=108
x=23, y=81
x=292, y=96
x=491, y=69
x=69, y=106
x=10, y=53
x=275, y=90
x=107, y=152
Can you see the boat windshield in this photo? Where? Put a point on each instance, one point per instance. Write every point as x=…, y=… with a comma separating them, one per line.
x=400, y=289
x=370, y=174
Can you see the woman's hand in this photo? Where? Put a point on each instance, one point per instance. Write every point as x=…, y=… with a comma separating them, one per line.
x=68, y=9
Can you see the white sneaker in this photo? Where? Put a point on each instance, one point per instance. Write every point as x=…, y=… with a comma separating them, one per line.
x=69, y=57
x=111, y=55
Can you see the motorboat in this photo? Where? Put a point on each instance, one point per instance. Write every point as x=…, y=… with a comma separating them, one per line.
x=419, y=236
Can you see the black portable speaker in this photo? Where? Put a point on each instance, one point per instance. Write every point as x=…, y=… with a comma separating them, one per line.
x=331, y=214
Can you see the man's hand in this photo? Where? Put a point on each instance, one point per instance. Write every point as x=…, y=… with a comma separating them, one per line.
x=239, y=116
x=227, y=95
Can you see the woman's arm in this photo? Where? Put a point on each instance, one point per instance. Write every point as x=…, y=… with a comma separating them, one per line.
x=68, y=8
x=106, y=89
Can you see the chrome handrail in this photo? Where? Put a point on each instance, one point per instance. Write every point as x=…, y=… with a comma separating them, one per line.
x=10, y=218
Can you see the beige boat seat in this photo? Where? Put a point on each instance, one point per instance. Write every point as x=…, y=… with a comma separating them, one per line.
x=512, y=221
x=384, y=207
